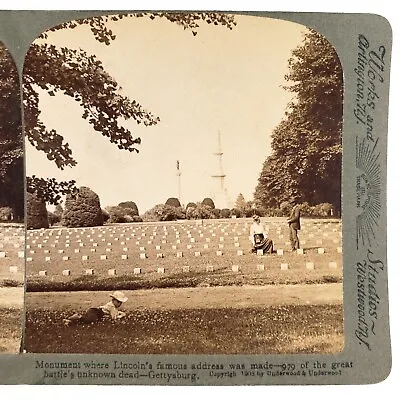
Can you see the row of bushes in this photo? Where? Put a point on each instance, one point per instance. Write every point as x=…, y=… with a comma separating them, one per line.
x=83, y=209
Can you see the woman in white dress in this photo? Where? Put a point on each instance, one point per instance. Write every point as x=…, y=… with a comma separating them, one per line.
x=259, y=237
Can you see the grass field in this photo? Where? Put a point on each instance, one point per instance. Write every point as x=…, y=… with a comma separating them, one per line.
x=214, y=320
x=68, y=268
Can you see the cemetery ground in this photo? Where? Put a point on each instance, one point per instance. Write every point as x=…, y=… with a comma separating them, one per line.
x=194, y=287
x=12, y=238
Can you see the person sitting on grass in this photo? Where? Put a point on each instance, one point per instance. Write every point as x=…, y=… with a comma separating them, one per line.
x=96, y=314
x=258, y=237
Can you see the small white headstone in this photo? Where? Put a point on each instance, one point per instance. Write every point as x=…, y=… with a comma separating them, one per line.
x=339, y=249
x=240, y=252
x=321, y=250
x=160, y=270
x=65, y=258
x=47, y=259
x=112, y=271
x=284, y=267
x=85, y=258
x=13, y=270
x=309, y=265
x=235, y=268
x=137, y=271
x=160, y=255
x=66, y=272
x=279, y=252
x=260, y=252
x=219, y=253
x=42, y=273
x=332, y=264
x=300, y=251
x=260, y=267
x=103, y=257
x=197, y=254
x=21, y=254
x=179, y=254
x=205, y=246
x=185, y=268
x=209, y=268
x=142, y=256
x=89, y=271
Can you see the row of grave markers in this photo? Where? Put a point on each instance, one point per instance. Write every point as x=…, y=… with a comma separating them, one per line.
x=186, y=268
x=180, y=254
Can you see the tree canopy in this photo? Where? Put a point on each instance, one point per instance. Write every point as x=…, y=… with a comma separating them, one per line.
x=75, y=73
x=307, y=144
x=11, y=144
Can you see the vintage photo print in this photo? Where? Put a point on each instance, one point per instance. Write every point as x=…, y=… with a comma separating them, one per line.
x=205, y=198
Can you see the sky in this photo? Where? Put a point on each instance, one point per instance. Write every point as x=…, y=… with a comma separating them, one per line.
x=221, y=81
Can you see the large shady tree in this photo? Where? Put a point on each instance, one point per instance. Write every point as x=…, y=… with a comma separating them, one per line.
x=11, y=144
x=80, y=75
x=306, y=146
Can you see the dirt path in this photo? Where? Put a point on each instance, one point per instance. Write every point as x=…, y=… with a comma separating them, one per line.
x=12, y=297
x=199, y=297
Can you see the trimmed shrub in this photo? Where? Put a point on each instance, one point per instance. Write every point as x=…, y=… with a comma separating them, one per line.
x=117, y=214
x=106, y=215
x=323, y=210
x=285, y=207
x=191, y=205
x=82, y=209
x=173, y=202
x=200, y=212
x=130, y=206
x=236, y=212
x=162, y=212
x=52, y=218
x=36, y=212
x=208, y=202
x=216, y=213
x=6, y=214
x=225, y=213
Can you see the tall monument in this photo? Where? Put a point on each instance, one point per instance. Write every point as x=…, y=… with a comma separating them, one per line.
x=219, y=193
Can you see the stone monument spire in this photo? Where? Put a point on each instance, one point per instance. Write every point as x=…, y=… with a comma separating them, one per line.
x=219, y=193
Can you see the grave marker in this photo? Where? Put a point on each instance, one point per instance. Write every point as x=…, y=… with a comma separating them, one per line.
x=309, y=265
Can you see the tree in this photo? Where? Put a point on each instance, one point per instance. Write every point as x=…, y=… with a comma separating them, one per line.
x=82, y=209
x=36, y=213
x=240, y=203
x=306, y=146
x=82, y=76
x=11, y=142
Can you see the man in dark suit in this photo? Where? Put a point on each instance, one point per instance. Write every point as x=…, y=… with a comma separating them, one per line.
x=294, y=224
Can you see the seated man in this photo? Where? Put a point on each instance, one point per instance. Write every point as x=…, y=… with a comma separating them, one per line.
x=258, y=237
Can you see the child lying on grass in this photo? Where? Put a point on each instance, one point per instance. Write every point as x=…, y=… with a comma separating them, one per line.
x=95, y=314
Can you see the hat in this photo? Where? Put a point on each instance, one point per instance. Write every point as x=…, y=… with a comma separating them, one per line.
x=119, y=296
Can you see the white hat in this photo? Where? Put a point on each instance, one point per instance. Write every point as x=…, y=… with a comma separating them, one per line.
x=119, y=296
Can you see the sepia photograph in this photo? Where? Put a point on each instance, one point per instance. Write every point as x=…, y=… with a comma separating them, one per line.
x=12, y=232
x=183, y=187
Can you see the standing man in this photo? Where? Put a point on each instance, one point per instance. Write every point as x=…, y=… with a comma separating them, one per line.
x=294, y=224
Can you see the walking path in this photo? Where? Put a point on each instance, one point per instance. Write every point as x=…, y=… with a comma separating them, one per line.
x=199, y=297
